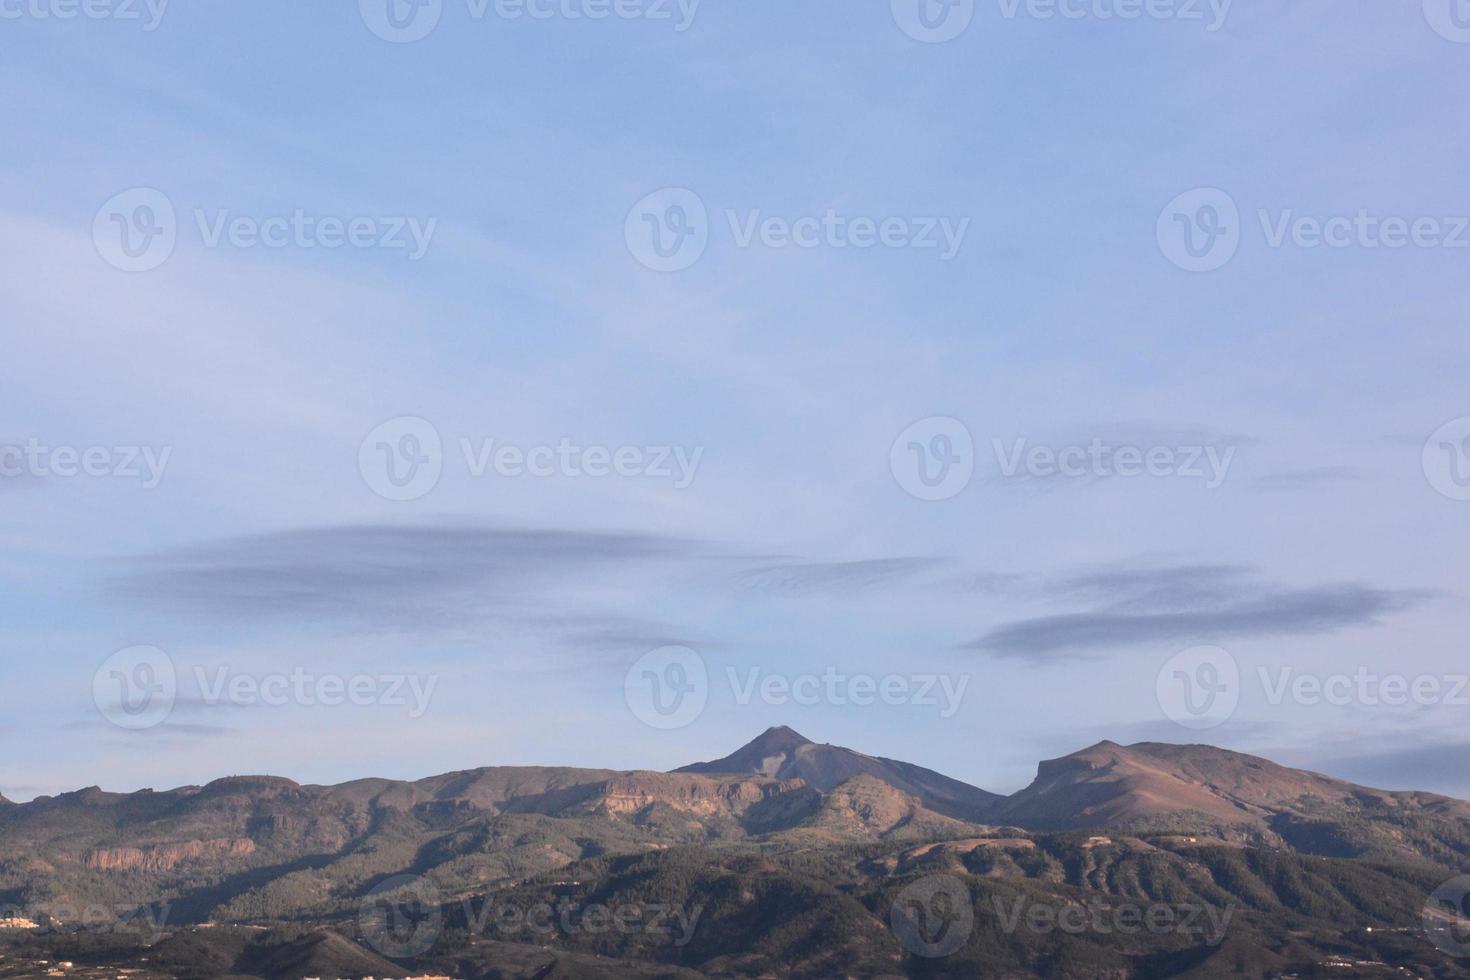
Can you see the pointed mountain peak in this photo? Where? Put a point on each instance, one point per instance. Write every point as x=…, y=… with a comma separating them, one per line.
x=783, y=753
x=780, y=735
x=767, y=755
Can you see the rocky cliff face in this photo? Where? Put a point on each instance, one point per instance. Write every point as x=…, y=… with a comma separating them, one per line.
x=164, y=857
x=690, y=794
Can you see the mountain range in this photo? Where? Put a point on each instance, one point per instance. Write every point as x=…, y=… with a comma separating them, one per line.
x=265, y=876
x=781, y=782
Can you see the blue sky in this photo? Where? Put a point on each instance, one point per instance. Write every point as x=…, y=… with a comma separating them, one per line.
x=1332, y=544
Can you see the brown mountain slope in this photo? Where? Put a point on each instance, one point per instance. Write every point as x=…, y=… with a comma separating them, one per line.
x=782, y=753
x=239, y=815
x=481, y=789
x=866, y=806
x=1111, y=785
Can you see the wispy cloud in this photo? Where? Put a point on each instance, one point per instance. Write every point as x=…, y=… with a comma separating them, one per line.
x=448, y=574
x=807, y=577
x=1188, y=603
x=167, y=729
x=388, y=574
x=1170, y=588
